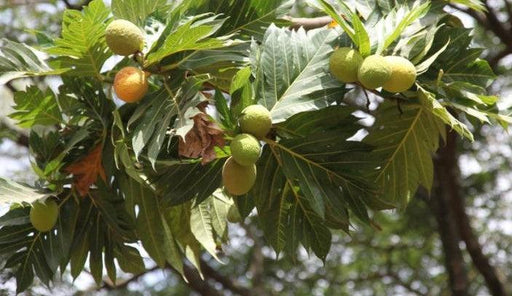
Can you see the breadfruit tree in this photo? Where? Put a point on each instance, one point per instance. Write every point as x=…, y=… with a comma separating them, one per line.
x=171, y=119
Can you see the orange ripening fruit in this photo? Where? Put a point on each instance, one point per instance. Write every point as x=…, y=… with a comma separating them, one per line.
x=131, y=84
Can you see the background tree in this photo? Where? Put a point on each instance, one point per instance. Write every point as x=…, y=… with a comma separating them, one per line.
x=403, y=257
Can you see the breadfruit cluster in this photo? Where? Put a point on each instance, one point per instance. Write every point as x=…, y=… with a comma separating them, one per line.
x=392, y=73
x=344, y=64
x=131, y=84
x=43, y=215
x=239, y=171
x=124, y=38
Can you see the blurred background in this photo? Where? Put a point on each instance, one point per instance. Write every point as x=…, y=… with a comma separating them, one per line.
x=455, y=241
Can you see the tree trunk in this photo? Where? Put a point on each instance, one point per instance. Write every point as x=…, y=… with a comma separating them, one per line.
x=446, y=223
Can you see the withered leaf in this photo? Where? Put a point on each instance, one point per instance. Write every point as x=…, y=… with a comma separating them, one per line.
x=86, y=170
x=201, y=139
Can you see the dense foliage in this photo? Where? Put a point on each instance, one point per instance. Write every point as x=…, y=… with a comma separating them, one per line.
x=118, y=172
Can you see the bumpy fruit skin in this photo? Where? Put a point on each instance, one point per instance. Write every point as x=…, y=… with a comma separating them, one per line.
x=374, y=72
x=238, y=179
x=255, y=120
x=403, y=74
x=245, y=149
x=344, y=63
x=233, y=215
x=43, y=216
x=130, y=84
x=124, y=38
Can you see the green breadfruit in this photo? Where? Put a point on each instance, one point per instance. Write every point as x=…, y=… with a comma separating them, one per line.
x=245, y=149
x=255, y=120
x=238, y=179
x=233, y=215
x=43, y=215
x=344, y=63
x=374, y=72
x=124, y=38
x=403, y=74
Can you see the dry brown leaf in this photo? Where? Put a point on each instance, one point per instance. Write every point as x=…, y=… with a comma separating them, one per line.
x=201, y=139
x=86, y=170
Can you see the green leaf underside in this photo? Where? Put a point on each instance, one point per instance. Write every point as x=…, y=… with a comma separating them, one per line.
x=36, y=107
x=315, y=171
x=201, y=226
x=18, y=60
x=156, y=236
x=404, y=143
x=181, y=182
x=246, y=17
x=12, y=192
x=136, y=11
x=195, y=35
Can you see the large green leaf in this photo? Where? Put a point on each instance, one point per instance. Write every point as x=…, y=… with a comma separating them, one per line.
x=178, y=181
x=219, y=206
x=36, y=253
x=12, y=192
x=82, y=49
x=34, y=106
x=404, y=143
x=248, y=18
x=292, y=71
x=311, y=179
x=136, y=11
x=19, y=60
x=154, y=232
x=194, y=35
x=398, y=19
x=202, y=228
x=429, y=101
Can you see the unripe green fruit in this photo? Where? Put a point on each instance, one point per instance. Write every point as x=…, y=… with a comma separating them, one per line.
x=43, y=216
x=124, y=38
x=255, y=120
x=403, y=74
x=245, y=149
x=238, y=179
x=374, y=72
x=233, y=215
x=344, y=63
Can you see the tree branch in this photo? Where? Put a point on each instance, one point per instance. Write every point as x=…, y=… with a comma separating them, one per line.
x=226, y=282
x=440, y=206
x=458, y=208
x=448, y=172
x=309, y=23
x=196, y=283
x=108, y=285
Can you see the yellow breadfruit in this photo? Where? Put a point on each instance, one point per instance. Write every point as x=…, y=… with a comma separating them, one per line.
x=43, y=215
x=234, y=215
x=255, y=120
x=374, y=72
x=403, y=74
x=344, y=63
x=124, y=38
x=245, y=149
x=130, y=84
x=238, y=179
